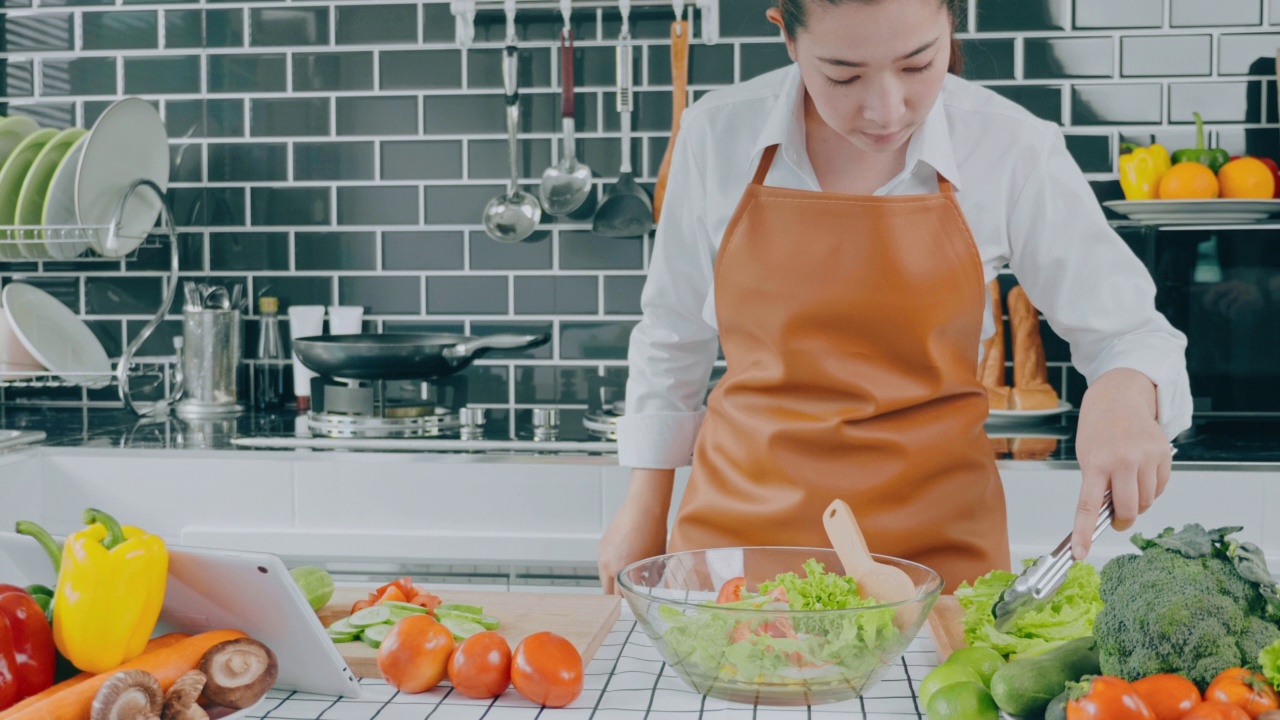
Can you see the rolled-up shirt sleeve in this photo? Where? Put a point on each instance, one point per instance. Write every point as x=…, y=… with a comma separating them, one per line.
x=1092, y=289
x=673, y=347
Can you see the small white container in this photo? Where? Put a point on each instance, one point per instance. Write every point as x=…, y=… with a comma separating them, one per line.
x=345, y=319
x=304, y=321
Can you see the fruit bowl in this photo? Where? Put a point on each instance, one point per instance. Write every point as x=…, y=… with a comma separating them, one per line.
x=772, y=655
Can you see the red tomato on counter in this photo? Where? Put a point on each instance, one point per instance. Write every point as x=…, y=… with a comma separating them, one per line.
x=481, y=666
x=1109, y=698
x=1169, y=696
x=1246, y=689
x=547, y=669
x=414, y=657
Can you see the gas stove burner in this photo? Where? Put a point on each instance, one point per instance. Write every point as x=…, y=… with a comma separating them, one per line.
x=602, y=423
x=433, y=422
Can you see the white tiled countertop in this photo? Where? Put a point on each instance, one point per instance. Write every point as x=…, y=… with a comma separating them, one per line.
x=627, y=680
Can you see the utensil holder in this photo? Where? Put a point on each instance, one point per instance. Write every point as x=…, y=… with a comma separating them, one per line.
x=211, y=354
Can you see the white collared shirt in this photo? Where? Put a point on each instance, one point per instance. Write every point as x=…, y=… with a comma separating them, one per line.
x=1022, y=193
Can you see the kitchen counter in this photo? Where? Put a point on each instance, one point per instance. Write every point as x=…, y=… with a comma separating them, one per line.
x=627, y=680
x=1210, y=444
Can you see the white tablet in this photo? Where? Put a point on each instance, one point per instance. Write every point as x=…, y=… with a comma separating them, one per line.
x=210, y=589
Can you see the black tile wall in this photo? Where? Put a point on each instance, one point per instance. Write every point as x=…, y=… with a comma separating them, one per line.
x=343, y=152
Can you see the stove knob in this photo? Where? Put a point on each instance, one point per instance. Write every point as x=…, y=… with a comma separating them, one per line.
x=546, y=423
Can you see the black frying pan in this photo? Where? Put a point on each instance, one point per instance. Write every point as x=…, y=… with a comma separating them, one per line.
x=402, y=356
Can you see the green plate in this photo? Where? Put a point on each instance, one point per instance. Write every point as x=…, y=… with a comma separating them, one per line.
x=12, y=175
x=35, y=188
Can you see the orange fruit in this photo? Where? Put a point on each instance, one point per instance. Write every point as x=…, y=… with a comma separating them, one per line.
x=1246, y=177
x=1189, y=181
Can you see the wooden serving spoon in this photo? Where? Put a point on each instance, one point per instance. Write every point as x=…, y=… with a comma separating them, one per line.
x=885, y=583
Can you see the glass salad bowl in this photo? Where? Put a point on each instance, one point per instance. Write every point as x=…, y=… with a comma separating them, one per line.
x=772, y=640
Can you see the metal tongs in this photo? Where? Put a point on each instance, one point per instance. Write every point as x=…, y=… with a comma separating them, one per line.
x=1042, y=579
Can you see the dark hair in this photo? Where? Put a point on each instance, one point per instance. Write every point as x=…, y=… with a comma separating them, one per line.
x=794, y=19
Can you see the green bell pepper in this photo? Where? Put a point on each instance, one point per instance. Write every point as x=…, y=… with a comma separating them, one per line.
x=1212, y=158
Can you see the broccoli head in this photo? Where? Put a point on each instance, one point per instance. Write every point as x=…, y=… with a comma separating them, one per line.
x=1166, y=612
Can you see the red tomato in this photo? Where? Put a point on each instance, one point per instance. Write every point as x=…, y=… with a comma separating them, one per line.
x=547, y=670
x=1247, y=690
x=393, y=593
x=731, y=590
x=481, y=666
x=1215, y=710
x=426, y=600
x=405, y=584
x=1169, y=696
x=414, y=657
x=1109, y=698
x=360, y=605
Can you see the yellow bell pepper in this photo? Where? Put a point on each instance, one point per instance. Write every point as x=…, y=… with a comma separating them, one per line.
x=1141, y=170
x=110, y=589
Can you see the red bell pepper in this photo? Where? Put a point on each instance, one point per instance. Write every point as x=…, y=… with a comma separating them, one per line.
x=26, y=645
x=1271, y=165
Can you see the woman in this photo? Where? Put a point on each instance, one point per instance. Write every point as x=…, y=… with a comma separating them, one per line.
x=834, y=225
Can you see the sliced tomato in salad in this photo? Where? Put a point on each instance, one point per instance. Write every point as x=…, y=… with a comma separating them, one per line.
x=731, y=590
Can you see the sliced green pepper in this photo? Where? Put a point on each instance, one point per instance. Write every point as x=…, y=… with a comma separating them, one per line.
x=1212, y=158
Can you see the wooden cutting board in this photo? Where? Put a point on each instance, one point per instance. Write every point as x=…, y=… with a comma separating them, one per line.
x=585, y=620
x=946, y=623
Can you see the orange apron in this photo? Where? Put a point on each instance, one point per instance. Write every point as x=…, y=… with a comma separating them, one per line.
x=850, y=325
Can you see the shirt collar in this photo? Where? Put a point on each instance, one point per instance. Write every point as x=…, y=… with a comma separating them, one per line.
x=931, y=143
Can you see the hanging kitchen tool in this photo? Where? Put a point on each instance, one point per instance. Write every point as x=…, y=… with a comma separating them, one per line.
x=567, y=184
x=512, y=216
x=679, y=96
x=885, y=583
x=626, y=210
x=402, y=356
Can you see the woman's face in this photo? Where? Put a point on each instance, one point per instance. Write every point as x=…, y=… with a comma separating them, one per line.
x=873, y=69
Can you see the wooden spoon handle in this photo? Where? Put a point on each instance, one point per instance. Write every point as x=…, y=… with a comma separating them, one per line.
x=846, y=538
x=679, y=97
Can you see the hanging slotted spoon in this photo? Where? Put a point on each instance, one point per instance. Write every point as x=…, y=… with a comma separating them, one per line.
x=626, y=210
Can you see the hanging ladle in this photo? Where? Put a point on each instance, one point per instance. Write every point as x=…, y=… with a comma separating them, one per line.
x=566, y=185
x=626, y=210
x=512, y=216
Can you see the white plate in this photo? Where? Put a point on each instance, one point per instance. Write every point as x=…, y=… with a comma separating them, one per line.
x=1008, y=415
x=60, y=204
x=35, y=188
x=53, y=334
x=128, y=143
x=1183, y=212
x=12, y=174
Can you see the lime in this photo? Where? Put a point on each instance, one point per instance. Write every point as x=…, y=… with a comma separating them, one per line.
x=962, y=701
x=983, y=660
x=945, y=674
x=316, y=585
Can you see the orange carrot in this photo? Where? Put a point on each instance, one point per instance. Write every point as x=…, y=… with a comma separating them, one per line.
x=167, y=664
x=157, y=643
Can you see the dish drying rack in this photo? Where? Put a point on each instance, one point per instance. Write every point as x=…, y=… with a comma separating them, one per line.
x=71, y=243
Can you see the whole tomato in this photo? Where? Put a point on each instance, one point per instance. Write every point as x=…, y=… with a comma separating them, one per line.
x=1246, y=689
x=481, y=666
x=731, y=590
x=1169, y=696
x=547, y=670
x=1216, y=710
x=1108, y=698
x=414, y=657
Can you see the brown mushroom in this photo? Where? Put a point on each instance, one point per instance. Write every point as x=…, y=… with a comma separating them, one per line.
x=239, y=672
x=128, y=695
x=180, y=702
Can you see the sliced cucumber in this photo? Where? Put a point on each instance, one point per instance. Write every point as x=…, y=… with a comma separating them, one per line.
x=461, y=628
x=488, y=622
x=461, y=608
x=370, y=616
x=375, y=634
x=342, y=627
x=405, y=607
x=341, y=638
x=397, y=615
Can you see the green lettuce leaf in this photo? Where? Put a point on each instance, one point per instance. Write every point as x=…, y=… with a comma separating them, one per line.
x=1269, y=660
x=738, y=647
x=1066, y=616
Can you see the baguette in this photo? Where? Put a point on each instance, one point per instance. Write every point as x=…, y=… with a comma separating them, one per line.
x=991, y=372
x=1031, y=389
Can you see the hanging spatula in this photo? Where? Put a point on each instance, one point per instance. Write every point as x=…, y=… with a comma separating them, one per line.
x=885, y=583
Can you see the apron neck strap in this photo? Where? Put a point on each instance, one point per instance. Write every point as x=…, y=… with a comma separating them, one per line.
x=944, y=185
x=766, y=161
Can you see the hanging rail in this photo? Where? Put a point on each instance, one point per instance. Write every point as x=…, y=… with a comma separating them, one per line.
x=464, y=12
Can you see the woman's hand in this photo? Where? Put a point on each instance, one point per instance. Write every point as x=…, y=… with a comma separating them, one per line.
x=1120, y=446
x=639, y=530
